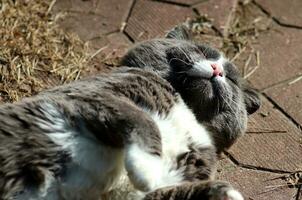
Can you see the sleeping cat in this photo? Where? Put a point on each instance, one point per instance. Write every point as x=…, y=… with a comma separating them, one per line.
x=149, y=133
x=209, y=84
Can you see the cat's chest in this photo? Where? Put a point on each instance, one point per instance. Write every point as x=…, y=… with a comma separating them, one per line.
x=180, y=130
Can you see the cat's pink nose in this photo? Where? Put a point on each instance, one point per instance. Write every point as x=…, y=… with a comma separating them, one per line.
x=217, y=71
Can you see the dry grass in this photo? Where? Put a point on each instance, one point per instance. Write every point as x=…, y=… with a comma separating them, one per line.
x=34, y=52
x=248, y=23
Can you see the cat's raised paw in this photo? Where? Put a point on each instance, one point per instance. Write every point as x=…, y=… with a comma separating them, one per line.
x=224, y=191
x=233, y=195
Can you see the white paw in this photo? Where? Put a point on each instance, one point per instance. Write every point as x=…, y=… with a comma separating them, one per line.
x=149, y=172
x=143, y=168
x=233, y=195
x=224, y=191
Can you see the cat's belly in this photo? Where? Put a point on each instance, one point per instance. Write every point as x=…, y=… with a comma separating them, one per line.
x=94, y=168
x=179, y=130
x=93, y=175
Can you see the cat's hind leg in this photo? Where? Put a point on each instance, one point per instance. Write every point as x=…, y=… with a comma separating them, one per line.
x=122, y=124
x=205, y=190
x=143, y=149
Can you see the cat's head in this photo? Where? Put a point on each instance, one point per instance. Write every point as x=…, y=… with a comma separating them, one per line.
x=208, y=82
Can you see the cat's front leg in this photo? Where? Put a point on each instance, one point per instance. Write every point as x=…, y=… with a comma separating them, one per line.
x=198, y=164
x=149, y=171
x=205, y=190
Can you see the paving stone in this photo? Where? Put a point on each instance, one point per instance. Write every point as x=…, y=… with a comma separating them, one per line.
x=92, y=18
x=151, y=19
x=254, y=184
x=280, y=56
x=75, y=6
x=113, y=45
x=108, y=50
x=289, y=98
x=187, y=2
x=221, y=12
x=288, y=12
x=271, y=142
x=87, y=26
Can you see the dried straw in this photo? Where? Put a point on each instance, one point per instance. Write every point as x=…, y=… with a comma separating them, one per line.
x=34, y=52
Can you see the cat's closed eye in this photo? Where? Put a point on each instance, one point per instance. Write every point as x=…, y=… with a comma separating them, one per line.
x=208, y=52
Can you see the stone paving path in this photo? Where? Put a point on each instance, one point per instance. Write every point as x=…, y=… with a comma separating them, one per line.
x=258, y=163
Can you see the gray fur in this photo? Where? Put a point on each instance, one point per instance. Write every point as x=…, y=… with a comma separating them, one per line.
x=107, y=106
x=212, y=190
x=222, y=108
x=199, y=164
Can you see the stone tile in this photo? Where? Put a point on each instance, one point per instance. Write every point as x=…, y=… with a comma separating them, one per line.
x=288, y=12
x=280, y=56
x=87, y=26
x=107, y=51
x=112, y=45
x=151, y=19
x=289, y=98
x=96, y=68
x=271, y=142
x=75, y=6
x=254, y=184
x=92, y=18
x=186, y=2
x=221, y=12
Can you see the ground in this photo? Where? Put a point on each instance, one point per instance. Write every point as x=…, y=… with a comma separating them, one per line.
x=264, y=39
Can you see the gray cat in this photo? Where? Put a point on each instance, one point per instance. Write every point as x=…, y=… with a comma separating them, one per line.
x=209, y=84
x=150, y=132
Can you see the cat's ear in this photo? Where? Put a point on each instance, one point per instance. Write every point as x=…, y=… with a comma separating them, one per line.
x=252, y=100
x=180, y=32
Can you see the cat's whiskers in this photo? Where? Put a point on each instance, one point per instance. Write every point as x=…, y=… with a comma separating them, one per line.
x=188, y=57
x=184, y=81
x=227, y=100
x=205, y=53
x=232, y=110
x=181, y=72
x=218, y=106
x=179, y=60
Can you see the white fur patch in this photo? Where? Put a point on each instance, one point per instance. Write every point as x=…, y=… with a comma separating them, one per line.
x=234, y=195
x=149, y=172
x=204, y=66
x=94, y=168
x=179, y=128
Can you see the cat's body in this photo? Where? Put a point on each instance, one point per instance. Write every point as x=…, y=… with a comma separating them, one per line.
x=78, y=150
x=132, y=130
